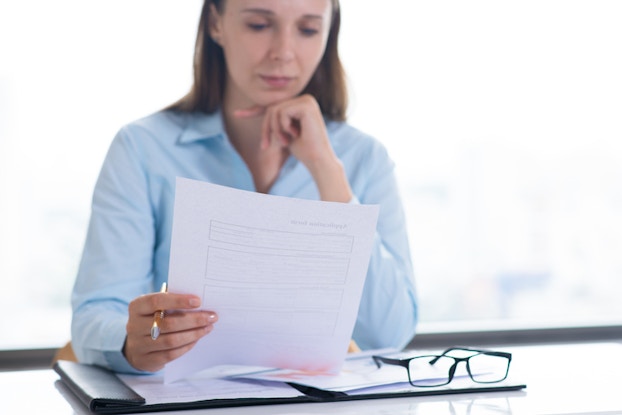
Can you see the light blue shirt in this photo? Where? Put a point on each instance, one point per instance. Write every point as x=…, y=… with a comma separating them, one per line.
x=126, y=253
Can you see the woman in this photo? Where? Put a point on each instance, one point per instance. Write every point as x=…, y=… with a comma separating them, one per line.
x=266, y=113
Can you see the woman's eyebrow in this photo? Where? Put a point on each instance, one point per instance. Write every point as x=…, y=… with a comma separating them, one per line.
x=257, y=10
x=269, y=12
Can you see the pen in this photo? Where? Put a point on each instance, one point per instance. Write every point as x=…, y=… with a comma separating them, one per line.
x=157, y=318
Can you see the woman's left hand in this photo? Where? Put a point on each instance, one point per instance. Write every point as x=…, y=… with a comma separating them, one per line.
x=298, y=125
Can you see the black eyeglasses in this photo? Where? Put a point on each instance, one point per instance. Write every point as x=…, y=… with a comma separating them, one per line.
x=483, y=366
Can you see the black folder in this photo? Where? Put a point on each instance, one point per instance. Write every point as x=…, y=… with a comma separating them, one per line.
x=104, y=393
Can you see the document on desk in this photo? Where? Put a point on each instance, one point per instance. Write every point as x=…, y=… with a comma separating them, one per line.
x=360, y=375
x=285, y=276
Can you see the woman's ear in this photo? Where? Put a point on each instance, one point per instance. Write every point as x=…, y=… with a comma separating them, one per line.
x=214, y=24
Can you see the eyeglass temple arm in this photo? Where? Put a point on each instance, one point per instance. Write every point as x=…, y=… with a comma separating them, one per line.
x=389, y=361
x=489, y=352
x=445, y=352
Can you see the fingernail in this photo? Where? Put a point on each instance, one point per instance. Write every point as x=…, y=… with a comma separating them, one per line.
x=195, y=302
x=212, y=316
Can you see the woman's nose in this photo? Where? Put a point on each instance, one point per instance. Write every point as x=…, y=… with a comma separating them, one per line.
x=282, y=46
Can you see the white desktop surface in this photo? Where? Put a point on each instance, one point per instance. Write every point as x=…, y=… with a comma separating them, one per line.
x=581, y=378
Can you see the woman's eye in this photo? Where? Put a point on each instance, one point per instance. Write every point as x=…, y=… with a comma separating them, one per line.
x=257, y=27
x=308, y=31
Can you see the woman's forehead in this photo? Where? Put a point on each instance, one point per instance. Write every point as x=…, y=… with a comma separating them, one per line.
x=319, y=8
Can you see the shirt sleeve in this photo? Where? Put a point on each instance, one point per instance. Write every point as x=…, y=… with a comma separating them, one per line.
x=117, y=259
x=388, y=311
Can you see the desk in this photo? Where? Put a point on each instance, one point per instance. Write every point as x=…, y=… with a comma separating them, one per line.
x=561, y=379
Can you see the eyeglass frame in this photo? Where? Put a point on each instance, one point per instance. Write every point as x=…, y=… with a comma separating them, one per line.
x=405, y=363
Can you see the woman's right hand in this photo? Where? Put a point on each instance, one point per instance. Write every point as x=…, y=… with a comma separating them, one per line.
x=180, y=329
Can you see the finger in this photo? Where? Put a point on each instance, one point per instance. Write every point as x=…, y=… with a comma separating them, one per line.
x=154, y=361
x=140, y=326
x=289, y=125
x=149, y=359
x=278, y=135
x=150, y=303
x=177, y=339
x=180, y=321
x=253, y=111
x=145, y=354
x=265, y=131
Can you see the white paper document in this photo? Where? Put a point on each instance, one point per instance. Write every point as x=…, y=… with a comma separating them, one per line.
x=358, y=372
x=285, y=276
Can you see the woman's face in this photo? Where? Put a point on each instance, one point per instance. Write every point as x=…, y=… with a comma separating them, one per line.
x=271, y=47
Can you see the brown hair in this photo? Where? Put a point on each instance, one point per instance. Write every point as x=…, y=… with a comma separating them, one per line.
x=327, y=85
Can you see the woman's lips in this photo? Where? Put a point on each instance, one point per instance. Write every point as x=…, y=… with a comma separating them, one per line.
x=277, y=81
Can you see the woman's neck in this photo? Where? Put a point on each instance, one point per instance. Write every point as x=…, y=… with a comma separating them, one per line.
x=244, y=132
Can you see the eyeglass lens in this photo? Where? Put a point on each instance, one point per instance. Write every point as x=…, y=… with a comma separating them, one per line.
x=433, y=375
x=487, y=368
x=484, y=369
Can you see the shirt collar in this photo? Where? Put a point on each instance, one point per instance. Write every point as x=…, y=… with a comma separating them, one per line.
x=201, y=126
